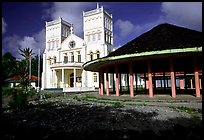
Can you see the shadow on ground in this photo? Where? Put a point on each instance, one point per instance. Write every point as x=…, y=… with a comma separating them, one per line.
x=87, y=121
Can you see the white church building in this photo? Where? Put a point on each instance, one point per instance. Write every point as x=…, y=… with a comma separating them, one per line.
x=65, y=52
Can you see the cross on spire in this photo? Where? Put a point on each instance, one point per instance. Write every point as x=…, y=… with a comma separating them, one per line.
x=97, y=5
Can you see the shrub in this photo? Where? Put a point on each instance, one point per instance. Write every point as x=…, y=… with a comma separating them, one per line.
x=117, y=104
x=76, y=98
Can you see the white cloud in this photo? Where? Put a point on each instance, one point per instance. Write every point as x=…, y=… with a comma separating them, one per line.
x=71, y=12
x=124, y=27
x=128, y=31
x=4, y=25
x=187, y=14
x=35, y=42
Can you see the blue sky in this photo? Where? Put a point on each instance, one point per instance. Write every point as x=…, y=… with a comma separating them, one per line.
x=23, y=23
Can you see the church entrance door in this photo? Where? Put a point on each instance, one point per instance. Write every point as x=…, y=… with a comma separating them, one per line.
x=72, y=80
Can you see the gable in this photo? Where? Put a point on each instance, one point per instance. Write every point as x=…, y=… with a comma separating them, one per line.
x=72, y=42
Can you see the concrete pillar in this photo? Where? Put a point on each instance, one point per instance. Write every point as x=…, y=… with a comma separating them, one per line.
x=116, y=81
x=131, y=81
x=200, y=84
x=99, y=89
x=191, y=80
x=74, y=77
x=173, y=85
x=101, y=80
x=107, y=82
x=136, y=81
x=63, y=78
x=150, y=79
x=196, y=74
x=147, y=84
x=113, y=83
x=120, y=80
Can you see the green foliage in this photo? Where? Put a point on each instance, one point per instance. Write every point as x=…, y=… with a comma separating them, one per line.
x=45, y=94
x=117, y=104
x=194, y=113
x=19, y=96
x=76, y=98
x=7, y=91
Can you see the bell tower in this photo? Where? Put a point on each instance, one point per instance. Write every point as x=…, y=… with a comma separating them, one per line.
x=98, y=30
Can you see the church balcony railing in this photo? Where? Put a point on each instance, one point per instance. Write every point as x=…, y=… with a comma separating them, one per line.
x=66, y=64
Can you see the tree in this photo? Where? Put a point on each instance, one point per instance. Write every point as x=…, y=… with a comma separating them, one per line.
x=8, y=66
x=27, y=54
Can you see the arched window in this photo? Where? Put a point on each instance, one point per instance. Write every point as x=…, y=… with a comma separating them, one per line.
x=95, y=77
x=99, y=36
x=88, y=38
x=79, y=56
x=65, y=58
x=91, y=55
x=72, y=56
x=55, y=60
x=49, y=60
x=93, y=37
x=97, y=54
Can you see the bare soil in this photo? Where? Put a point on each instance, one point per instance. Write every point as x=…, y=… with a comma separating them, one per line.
x=79, y=120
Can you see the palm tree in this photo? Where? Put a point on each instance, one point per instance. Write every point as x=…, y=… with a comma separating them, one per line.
x=27, y=54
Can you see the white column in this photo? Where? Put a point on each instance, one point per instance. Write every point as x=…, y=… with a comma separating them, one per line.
x=74, y=77
x=54, y=75
x=63, y=78
x=44, y=73
x=52, y=82
x=84, y=79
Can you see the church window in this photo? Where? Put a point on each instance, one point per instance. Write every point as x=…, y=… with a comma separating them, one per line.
x=49, y=60
x=97, y=54
x=106, y=37
x=95, y=77
x=55, y=60
x=99, y=36
x=91, y=55
x=110, y=39
x=52, y=45
x=65, y=58
x=79, y=56
x=88, y=38
x=72, y=44
x=72, y=56
x=57, y=43
x=93, y=37
x=49, y=45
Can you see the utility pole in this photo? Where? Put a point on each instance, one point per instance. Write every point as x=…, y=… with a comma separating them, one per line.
x=30, y=69
x=38, y=88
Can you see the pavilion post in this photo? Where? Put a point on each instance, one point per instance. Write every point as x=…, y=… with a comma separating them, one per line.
x=116, y=83
x=150, y=79
x=107, y=82
x=131, y=81
x=99, y=89
x=113, y=83
x=173, y=85
x=196, y=74
x=101, y=80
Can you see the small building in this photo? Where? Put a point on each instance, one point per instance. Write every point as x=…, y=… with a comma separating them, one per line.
x=167, y=58
x=14, y=81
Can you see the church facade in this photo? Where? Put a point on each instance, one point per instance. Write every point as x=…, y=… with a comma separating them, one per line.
x=65, y=52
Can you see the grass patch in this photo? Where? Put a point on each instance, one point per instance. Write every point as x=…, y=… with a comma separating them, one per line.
x=193, y=112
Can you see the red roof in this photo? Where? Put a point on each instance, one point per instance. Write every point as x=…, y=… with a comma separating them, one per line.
x=16, y=78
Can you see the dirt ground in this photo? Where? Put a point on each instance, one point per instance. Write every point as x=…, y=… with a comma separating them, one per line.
x=87, y=120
